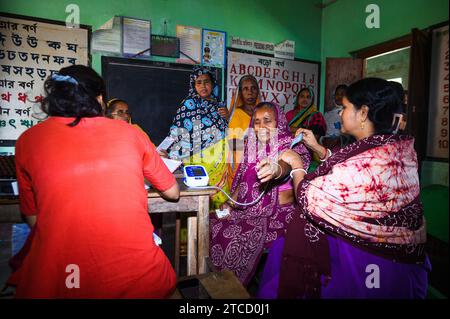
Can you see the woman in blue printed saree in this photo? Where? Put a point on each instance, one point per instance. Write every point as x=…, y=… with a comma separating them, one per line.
x=199, y=129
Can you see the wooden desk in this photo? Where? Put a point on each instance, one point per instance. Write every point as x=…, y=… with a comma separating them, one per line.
x=191, y=201
x=10, y=211
x=219, y=285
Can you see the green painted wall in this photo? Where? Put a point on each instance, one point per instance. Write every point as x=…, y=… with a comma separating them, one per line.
x=344, y=29
x=318, y=33
x=265, y=20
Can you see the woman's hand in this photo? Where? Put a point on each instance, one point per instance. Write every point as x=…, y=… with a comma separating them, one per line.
x=223, y=111
x=292, y=158
x=267, y=170
x=308, y=138
x=311, y=142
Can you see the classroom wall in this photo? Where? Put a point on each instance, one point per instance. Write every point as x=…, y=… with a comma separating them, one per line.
x=344, y=30
x=318, y=33
x=265, y=20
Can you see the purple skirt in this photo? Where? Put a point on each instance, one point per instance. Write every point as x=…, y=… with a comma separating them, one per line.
x=355, y=274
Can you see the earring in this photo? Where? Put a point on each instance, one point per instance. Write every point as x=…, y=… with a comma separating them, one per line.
x=362, y=125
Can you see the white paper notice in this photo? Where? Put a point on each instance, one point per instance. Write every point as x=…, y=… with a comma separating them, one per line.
x=136, y=36
x=171, y=164
x=108, y=37
x=190, y=44
x=285, y=50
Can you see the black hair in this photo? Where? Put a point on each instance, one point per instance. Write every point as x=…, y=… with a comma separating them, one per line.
x=110, y=107
x=340, y=87
x=76, y=98
x=247, y=77
x=398, y=88
x=380, y=97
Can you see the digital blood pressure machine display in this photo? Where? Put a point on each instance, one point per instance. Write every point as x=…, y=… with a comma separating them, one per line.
x=195, y=176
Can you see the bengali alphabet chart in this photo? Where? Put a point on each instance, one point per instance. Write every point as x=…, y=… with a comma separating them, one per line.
x=30, y=52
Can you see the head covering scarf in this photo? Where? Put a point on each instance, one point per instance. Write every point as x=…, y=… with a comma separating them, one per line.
x=199, y=134
x=379, y=211
x=197, y=124
x=303, y=115
x=238, y=124
x=237, y=243
x=237, y=101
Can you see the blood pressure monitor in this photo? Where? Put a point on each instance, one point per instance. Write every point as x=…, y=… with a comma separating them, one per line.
x=195, y=176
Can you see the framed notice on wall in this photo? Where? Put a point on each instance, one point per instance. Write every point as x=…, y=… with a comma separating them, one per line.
x=136, y=36
x=438, y=126
x=213, y=47
x=279, y=80
x=190, y=44
x=31, y=50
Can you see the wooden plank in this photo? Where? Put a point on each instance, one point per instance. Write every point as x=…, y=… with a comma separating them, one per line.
x=168, y=236
x=203, y=233
x=192, y=246
x=177, y=244
x=224, y=285
x=219, y=285
x=183, y=193
x=391, y=45
x=185, y=205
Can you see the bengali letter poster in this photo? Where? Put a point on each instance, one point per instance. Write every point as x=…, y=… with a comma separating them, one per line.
x=279, y=80
x=30, y=51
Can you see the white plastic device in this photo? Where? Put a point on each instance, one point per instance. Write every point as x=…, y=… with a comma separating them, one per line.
x=195, y=176
x=222, y=213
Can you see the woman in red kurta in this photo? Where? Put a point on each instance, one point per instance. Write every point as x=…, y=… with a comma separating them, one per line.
x=93, y=237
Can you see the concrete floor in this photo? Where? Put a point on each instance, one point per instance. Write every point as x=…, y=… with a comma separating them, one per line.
x=438, y=278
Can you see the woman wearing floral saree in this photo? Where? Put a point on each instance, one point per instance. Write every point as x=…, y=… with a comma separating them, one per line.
x=306, y=115
x=361, y=232
x=199, y=129
x=237, y=241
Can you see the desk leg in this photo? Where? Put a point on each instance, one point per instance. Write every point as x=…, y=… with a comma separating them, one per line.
x=203, y=233
x=192, y=246
x=177, y=244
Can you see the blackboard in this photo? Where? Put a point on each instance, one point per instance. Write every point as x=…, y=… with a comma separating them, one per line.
x=153, y=90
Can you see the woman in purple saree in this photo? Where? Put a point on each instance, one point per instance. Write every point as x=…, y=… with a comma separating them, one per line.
x=361, y=231
x=237, y=241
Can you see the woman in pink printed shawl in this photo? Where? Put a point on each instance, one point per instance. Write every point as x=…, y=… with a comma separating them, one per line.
x=361, y=232
x=238, y=240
